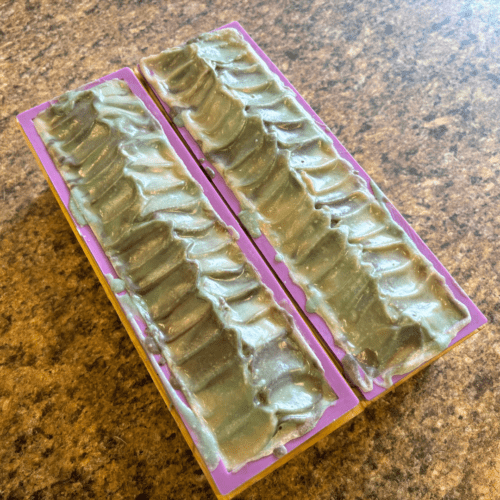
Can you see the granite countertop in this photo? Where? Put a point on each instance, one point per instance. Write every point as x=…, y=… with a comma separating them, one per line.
x=412, y=89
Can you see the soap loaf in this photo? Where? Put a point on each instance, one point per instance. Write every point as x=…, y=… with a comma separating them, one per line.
x=383, y=301
x=250, y=381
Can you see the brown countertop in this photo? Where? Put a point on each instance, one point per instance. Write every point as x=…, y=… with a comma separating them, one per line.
x=412, y=89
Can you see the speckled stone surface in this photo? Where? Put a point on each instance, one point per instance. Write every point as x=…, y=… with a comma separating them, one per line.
x=412, y=89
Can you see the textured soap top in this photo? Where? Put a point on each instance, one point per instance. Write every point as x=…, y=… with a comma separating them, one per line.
x=384, y=303
x=250, y=381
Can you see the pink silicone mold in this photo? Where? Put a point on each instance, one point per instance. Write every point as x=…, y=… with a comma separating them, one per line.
x=281, y=270
x=225, y=481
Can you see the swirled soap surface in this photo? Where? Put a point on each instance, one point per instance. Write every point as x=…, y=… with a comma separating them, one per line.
x=248, y=377
x=383, y=301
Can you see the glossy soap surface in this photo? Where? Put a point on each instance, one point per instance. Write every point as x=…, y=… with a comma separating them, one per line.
x=383, y=301
x=250, y=381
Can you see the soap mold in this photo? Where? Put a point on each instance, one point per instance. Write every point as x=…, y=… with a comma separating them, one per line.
x=225, y=484
x=273, y=259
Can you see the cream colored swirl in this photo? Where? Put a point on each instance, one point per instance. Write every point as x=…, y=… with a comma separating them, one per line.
x=247, y=375
x=383, y=301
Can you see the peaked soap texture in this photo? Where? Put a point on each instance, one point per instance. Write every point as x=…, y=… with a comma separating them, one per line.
x=384, y=303
x=247, y=375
